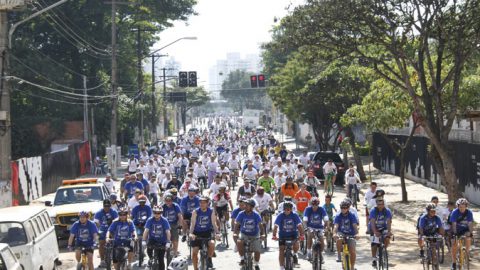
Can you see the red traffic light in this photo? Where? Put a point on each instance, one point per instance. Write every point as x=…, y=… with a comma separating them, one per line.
x=261, y=80
x=253, y=81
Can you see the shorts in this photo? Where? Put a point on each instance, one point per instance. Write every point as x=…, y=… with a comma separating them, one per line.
x=352, y=244
x=187, y=216
x=118, y=252
x=282, y=241
x=220, y=210
x=376, y=240
x=88, y=249
x=255, y=242
x=312, y=231
x=174, y=232
x=198, y=243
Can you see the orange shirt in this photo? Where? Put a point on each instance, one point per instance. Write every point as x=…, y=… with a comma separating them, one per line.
x=302, y=198
x=290, y=191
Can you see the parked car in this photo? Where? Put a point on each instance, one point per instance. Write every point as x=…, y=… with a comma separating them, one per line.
x=30, y=233
x=321, y=158
x=8, y=261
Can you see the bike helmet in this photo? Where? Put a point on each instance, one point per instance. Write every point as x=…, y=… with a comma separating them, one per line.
x=288, y=205
x=178, y=263
x=113, y=197
x=123, y=210
x=250, y=202
x=462, y=201
x=157, y=208
x=142, y=199
x=344, y=204
x=107, y=203
x=431, y=206
x=192, y=189
x=173, y=191
x=168, y=197
x=222, y=186
x=287, y=198
x=84, y=214
x=379, y=193
x=204, y=198
x=314, y=200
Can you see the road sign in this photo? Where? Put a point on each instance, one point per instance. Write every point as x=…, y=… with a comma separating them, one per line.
x=11, y=4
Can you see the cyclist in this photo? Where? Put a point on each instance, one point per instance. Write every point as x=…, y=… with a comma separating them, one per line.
x=267, y=182
x=315, y=218
x=380, y=224
x=85, y=233
x=234, y=215
x=173, y=213
x=429, y=225
x=352, y=179
x=462, y=225
x=346, y=224
x=103, y=219
x=329, y=208
x=123, y=233
x=312, y=183
x=302, y=198
x=141, y=212
x=289, y=226
x=221, y=201
x=264, y=204
x=249, y=224
x=202, y=225
x=247, y=187
x=289, y=188
x=188, y=204
x=330, y=172
x=300, y=174
x=157, y=232
x=368, y=196
x=132, y=186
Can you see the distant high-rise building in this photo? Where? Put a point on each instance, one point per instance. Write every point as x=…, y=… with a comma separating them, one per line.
x=234, y=61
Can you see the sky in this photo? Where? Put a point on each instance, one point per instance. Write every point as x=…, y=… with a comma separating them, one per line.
x=222, y=26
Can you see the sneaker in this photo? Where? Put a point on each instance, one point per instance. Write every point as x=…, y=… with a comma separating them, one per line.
x=184, y=238
x=422, y=253
x=339, y=259
x=242, y=262
x=374, y=263
x=295, y=259
x=209, y=263
x=257, y=267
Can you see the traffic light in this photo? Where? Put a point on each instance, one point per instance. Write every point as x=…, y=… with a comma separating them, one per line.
x=253, y=81
x=192, y=79
x=183, y=79
x=261, y=80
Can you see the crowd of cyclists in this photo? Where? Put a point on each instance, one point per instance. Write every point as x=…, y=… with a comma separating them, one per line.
x=181, y=193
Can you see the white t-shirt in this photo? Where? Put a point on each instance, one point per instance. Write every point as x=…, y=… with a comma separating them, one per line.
x=351, y=179
x=262, y=202
x=110, y=185
x=280, y=180
x=224, y=170
x=214, y=187
x=327, y=168
x=132, y=202
x=276, y=169
x=200, y=171
x=234, y=164
x=132, y=165
x=212, y=166
x=247, y=174
x=304, y=160
x=153, y=187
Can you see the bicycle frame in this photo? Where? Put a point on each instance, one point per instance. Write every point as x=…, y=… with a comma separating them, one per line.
x=203, y=252
x=317, y=257
x=346, y=263
x=289, y=254
x=462, y=254
x=433, y=252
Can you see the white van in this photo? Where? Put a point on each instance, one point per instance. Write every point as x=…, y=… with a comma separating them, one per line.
x=30, y=234
x=7, y=259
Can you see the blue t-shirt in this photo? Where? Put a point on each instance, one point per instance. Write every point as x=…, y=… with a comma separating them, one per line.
x=157, y=229
x=171, y=213
x=381, y=218
x=315, y=218
x=130, y=187
x=105, y=219
x=84, y=233
x=235, y=213
x=430, y=225
x=249, y=223
x=122, y=232
x=462, y=223
x=203, y=223
x=345, y=223
x=188, y=205
x=145, y=183
x=141, y=214
x=287, y=225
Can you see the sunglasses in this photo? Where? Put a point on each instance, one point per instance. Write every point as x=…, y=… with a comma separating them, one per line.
x=122, y=215
x=344, y=207
x=157, y=213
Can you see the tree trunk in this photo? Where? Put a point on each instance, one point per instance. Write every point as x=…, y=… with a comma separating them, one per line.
x=450, y=177
x=402, y=175
x=356, y=156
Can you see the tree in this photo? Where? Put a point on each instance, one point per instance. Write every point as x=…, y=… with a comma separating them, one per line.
x=426, y=42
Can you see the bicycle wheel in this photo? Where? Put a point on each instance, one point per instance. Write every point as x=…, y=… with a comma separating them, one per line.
x=265, y=244
x=442, y=250
x=225, y=233
x=140, y=252
x=249, y=262
x=169, y=256
x=346, y=263
x=288, y=261
x=380, y=257
x=466, y=259
x=203, y=261
x=108, y=257
x=385, y=259
x=354, y=198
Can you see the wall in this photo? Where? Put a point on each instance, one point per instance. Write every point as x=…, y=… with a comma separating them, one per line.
x=34, y=177
x=420, y=168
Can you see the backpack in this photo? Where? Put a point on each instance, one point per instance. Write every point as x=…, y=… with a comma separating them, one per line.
x=417, y=226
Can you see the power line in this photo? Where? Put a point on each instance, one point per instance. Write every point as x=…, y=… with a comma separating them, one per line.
x=56, y=100
x=53, y=82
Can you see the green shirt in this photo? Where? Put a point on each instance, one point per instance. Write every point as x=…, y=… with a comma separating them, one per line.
x=266, y=183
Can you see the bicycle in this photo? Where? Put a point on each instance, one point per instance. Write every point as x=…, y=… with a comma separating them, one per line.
x=224, y=230
x=247, y=244
x=265, y=214
x=140, y=249
x=83, y=260
x=303, y=243
x=317, y=257
x=346, y=263
x=234, y=178
x=108, y=255
x=354, y=196
x=433, y=253
x=203, y=252
x=121, y=252
x=382, y=254
x=155, y=263
x=463, y=256
x=329, y=237
x=329, y=184
x=289, y=262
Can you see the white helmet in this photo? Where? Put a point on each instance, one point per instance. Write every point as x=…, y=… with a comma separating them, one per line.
x=179, y=263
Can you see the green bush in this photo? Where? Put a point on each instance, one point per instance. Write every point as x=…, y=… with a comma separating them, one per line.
x=363, y=150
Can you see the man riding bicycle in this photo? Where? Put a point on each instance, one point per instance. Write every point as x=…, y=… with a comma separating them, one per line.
x=221, y=201
x=249, y=224
x=429, y=225
x=173, y=213
x=315, y=218
x=123, y=233
x=157, y=232
x=187, y=205
x=267, y=182
x=462, y=225
x=346, y=224
x=380, y=224
x=264, y=204
x=330, y=174
x=85, y=233
x=289, y=226
x=103, y=219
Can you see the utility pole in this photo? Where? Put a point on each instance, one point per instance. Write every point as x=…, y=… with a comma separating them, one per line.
x=140, y=84
x=113, y=123
x=5, y=124
x=165, y=118
x=85, y=110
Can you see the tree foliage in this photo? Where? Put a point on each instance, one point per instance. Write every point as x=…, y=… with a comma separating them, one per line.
x=237, y=90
